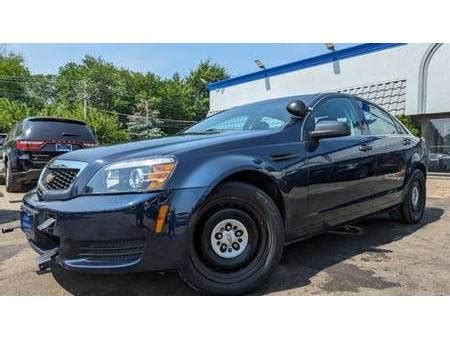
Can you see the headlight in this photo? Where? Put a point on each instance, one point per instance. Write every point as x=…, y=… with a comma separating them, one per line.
x=132, y=176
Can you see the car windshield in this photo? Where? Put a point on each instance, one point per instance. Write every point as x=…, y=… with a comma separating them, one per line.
x=261, y=116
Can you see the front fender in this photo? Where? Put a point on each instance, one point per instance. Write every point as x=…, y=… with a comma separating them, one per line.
x=214, y=170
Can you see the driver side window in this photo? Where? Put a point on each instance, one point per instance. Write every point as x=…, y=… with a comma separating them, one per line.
x=336, y=109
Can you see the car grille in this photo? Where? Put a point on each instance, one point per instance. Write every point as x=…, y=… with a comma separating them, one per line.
x=55, y=179
x=120, y=250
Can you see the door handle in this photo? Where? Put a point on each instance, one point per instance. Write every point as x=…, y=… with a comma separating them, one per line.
x=406, y=142
x=365, y=147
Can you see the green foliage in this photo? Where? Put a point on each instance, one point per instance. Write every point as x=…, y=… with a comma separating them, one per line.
x=413, y=126
x=106, y=128
x=115, y=97
x=42, y=91
x=206, y=72
x=12, y=71
x=12, y=111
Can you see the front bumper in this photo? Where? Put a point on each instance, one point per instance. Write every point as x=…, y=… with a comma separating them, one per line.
x=109, y=233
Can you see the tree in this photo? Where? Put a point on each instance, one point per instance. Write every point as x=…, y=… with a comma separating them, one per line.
x=174, y=99
x=144, y=123
x=13, y=77
x=42, y=91
x=118, y=99
x=413, y=126
x=93, y=77
x=197, y=81
x=12, y=111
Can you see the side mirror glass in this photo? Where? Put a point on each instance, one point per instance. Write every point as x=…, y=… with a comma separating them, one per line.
x=327, y=129
x=297, y=108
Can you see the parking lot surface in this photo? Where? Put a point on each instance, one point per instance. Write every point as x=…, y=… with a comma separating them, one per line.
x=384, y=258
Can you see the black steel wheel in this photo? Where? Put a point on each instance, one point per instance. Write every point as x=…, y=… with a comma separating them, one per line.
x=237, y=242
x=412, y=209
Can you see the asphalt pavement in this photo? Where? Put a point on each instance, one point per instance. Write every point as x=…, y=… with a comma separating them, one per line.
x=381, y=258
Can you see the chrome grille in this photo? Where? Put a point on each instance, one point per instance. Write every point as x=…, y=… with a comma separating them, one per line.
x=60, y=175
x=58, y=178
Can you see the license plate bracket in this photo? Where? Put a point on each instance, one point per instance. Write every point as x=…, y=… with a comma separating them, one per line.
x=63, y=147
x=27, y=222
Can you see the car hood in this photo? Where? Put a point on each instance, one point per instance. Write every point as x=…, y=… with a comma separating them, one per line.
x=171, y=145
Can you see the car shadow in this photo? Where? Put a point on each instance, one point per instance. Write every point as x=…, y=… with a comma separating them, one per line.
x=304, y=260
x=300, y=262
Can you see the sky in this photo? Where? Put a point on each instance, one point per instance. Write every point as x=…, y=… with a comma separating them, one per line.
x=166, y=59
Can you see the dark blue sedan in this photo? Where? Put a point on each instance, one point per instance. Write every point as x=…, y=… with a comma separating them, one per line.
x=219, y=201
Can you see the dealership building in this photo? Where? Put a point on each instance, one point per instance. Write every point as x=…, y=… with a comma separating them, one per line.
x=411, y=79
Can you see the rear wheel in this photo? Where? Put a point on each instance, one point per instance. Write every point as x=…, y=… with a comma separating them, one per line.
x=237, y=243
x=10, y=185
x=412, y=209
x=2, y=175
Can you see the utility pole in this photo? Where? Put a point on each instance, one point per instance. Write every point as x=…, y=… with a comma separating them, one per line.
x=85, y=102
x=146, y=112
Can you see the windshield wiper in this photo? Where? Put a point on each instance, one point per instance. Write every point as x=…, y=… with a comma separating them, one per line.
x=206, y=131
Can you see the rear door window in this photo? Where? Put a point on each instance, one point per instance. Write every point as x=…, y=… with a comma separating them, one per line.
x=57, y=130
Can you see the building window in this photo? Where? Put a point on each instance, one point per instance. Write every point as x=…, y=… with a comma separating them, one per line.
x=438, y=135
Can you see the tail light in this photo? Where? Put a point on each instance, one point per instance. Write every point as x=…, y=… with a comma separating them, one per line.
x=29, y=145
x=89, y=144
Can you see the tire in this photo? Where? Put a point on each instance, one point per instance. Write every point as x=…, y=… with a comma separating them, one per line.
x=245, y=220
x=11, y=186
x=412, y=209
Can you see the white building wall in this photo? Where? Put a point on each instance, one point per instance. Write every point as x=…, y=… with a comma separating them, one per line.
x=438, y=87
x=392, y=64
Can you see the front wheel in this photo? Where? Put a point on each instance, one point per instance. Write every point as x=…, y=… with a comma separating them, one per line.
x=412, y=209
x=237, y=243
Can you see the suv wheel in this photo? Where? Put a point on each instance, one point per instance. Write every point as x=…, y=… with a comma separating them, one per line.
x=237, y=243
x=10, y=185
x=2, y=175
x=412, y=208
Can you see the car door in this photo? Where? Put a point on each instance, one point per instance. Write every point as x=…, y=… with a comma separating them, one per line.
x=340, y=169
x=390, y=148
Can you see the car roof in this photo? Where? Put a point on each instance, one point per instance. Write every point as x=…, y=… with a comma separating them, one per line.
x=53, y=119
x=308, y=99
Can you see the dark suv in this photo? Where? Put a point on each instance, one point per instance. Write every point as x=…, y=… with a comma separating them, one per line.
x=2, y=141
x=32, y=143
x=220, y=201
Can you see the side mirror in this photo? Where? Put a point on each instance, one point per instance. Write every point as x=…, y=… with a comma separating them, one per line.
x=297, y=108
x=327, y=129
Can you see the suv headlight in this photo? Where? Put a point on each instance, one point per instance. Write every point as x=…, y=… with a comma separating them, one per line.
x=138, y=175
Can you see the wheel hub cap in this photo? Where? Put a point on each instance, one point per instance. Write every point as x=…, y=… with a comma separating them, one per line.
x=229, y=238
